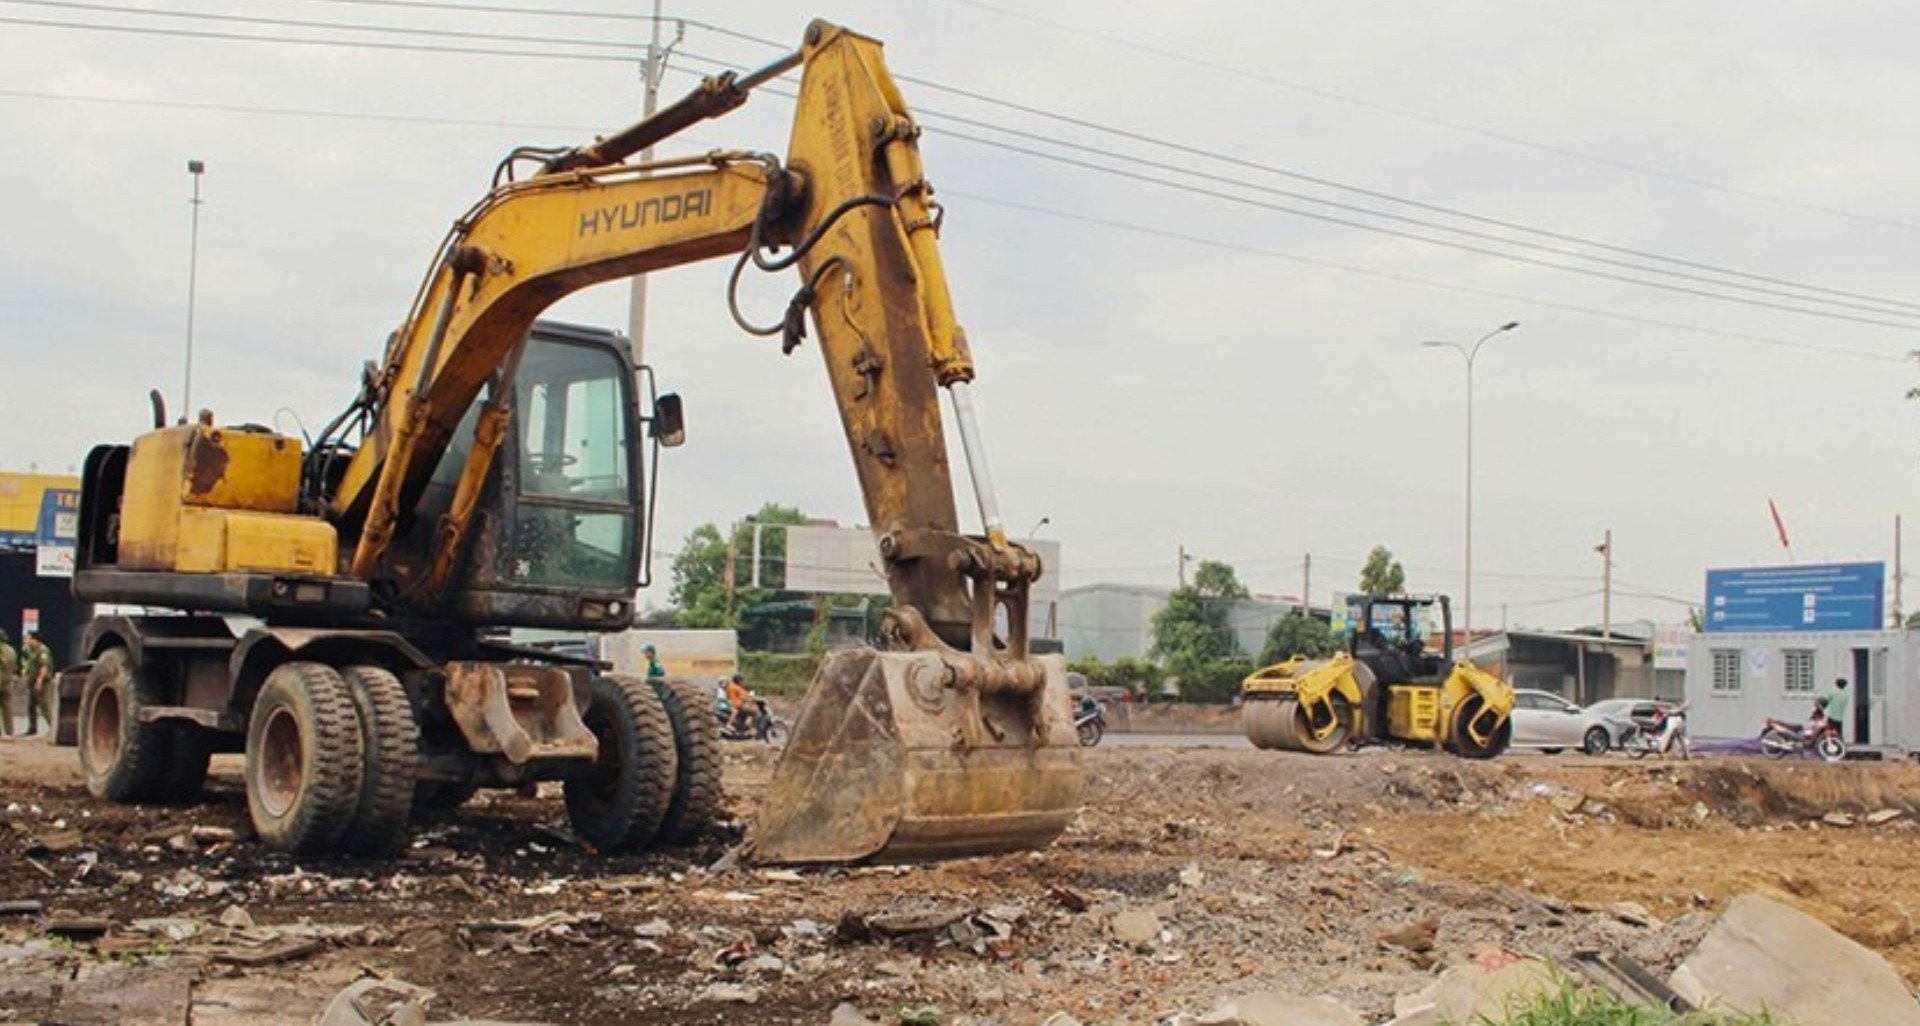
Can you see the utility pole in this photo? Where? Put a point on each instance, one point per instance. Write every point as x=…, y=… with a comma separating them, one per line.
x=733, y=553
x=1605, y=549
x=195, y=168
x=1899, y=611
x=1469, y=354
x=1306, y=586
x=653, y=71
x=1184, y=560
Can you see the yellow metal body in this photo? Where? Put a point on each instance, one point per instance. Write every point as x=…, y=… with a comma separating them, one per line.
x=201, y=499
x=1319, y=705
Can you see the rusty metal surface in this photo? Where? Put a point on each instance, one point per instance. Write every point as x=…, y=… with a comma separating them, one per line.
x=520, y=711
x=892, y=760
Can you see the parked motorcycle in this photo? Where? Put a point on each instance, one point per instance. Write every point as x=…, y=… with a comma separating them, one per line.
x=762, y=724
x=1781, y=739
x=1663, y=733
x=1090, y=723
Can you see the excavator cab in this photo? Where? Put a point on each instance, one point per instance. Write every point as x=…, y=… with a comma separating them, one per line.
x=558, y=539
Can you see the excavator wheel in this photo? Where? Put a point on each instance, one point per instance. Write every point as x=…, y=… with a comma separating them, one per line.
x=696, y=741
x=620, y=803
x=1472, y=738
x=390, y=742
x=1284, y=724
x=305, y=759
x=124, y=759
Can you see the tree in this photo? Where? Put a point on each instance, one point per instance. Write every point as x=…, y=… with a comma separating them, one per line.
x=1382, y=575
x=700, y=577
x=1293, y=635
x=1194, y=629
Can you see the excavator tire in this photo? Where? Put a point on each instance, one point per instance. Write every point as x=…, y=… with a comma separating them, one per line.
x=390, y=741
x=190, y=753
x=696, y=742
x=124, y=760
x=1465, y=744
x=619, y=804
x=305, y=759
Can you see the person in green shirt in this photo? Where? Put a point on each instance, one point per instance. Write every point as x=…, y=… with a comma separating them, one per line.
x=654, y=669
x=1837, y=705
x=9, y=673
x=36, y=672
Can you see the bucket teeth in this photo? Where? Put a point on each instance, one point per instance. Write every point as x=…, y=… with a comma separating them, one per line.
x=889, y=762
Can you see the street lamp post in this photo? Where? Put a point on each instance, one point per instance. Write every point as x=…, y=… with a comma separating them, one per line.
x=196, y=169
x=1469, y=353
x=1035, y=533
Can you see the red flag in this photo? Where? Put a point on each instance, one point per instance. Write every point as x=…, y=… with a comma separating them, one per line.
x=1779, y=525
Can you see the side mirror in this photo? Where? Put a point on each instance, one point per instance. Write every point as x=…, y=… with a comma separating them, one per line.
x=669, y=422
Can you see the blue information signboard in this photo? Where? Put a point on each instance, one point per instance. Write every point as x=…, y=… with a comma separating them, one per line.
x=1824, y=597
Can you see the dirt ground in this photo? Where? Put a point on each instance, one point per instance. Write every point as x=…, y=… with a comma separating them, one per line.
x=1191, y=874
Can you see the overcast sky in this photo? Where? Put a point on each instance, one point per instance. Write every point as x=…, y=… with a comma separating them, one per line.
x=1157, y=367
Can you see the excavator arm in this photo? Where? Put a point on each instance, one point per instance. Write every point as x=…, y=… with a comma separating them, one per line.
x=955, y=740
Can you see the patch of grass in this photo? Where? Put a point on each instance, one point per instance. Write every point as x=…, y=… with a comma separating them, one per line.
x=1572, y=1006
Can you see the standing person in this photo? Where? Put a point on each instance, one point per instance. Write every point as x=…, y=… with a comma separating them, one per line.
x=36, y=670
x=654, y=669
x=1837, y=706
x=9, y=672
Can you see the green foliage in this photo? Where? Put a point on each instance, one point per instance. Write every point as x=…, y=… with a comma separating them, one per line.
x=700, y=577
x=1217, y=580
x=1142, y=679
x=773, y=673
x=1192, y=630
x=1216, y=683
x=1571, y=1005
x=1382, y=575
x=1293, y=635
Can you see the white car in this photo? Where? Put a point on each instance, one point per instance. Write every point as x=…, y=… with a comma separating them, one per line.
x=1545, y=721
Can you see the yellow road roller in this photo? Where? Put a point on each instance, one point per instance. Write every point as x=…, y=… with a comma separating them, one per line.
x=1388, y=685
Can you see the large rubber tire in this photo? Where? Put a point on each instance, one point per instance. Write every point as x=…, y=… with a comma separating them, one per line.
x=1463, y=743
x=190, y=752
x=695, y=804
x=1597, y=741
x=619, y=804
x=304, y=759
x=390, y=744
x=123, y=759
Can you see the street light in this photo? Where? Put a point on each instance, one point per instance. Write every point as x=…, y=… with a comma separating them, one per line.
x=1469, y=353
x=1044, y=521
x=196, y=169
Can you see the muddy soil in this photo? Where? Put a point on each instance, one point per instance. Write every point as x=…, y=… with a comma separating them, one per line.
x=1191, y=874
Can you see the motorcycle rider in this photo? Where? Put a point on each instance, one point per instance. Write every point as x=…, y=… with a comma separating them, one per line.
x=739, y=698
x=1836, y=706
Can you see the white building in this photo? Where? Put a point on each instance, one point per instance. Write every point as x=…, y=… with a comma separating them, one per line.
x=1736, y=681
x=1112, y=621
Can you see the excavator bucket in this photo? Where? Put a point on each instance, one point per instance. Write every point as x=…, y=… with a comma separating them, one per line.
x=889, y=763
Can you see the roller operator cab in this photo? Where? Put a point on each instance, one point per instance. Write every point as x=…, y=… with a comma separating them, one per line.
x=1387, y=685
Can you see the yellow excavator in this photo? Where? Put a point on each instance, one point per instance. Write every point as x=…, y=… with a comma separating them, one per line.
x=347, y=597
x=1386, y=686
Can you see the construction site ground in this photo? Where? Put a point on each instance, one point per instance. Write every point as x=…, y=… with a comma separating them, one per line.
x=1193, y=873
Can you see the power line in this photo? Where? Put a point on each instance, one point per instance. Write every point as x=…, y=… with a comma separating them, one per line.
x=368, y=44
x=536, y=12
x=1392, y=232
x=1235, y=247
x=305, y=112
x=1498, y=136
x=247, y=19
x=1188, y=172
